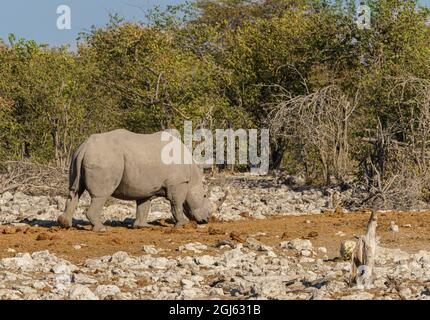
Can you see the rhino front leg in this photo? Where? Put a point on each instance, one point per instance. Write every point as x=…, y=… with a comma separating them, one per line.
x=143, y=207
x=177, y=195
x=94, y=214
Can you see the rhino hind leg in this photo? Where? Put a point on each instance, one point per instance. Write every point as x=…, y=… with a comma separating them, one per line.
x=94, y=213
x=176, y=196
x=65, y=220
x=143, y=207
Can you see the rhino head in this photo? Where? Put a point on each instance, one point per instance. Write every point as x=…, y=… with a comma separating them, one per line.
x=198, y=206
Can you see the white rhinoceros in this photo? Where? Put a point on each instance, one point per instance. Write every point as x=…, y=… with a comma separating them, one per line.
x=129, y=166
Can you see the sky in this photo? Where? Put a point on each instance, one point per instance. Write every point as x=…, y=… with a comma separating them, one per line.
x=37, y=19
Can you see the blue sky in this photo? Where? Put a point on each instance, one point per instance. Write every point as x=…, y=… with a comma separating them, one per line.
x=37, y=19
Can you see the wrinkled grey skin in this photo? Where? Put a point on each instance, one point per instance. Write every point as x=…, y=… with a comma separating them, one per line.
x=128, y=166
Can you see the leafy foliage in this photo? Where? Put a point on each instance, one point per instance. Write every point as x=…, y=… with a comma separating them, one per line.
x=227, y=64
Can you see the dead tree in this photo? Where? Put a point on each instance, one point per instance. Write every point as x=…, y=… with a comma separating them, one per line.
x=319, y=124
x=31, y=178
x=363, y=257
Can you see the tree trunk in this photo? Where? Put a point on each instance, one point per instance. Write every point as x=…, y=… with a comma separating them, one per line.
x=276, y=157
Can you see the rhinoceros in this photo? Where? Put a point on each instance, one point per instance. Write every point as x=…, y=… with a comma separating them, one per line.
x=129, y=166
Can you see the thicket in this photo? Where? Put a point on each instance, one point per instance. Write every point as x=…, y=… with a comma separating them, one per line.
x=343, y=104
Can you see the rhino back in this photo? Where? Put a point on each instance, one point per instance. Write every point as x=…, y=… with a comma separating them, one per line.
x=129, y=165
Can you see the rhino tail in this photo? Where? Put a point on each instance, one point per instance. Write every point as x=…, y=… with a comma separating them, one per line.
x=76, y=168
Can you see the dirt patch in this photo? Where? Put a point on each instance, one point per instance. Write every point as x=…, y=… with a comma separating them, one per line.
x=79, y=243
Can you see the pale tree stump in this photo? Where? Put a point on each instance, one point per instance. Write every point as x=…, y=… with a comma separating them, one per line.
x=363, y=257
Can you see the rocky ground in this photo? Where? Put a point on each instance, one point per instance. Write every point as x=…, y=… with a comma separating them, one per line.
x=269, y=240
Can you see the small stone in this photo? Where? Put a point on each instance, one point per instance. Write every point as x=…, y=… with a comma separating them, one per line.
x=20, y=261
x=193, y=246
x=340, y=234
x=187, y=284
x=393, y=227
x=189, y=294
x=323, y=250
x=7, y=196
x=81, y=292
x=405, y=293
x=306, y=253
x=77, y=247
x=80, y=278
x=150, y=249
x=38, y=285
x=254, y=244
x=159, y=263
x=358, y=296
x=61, y=268
x=105, y=291
x=306, y=260
x=205, y=260
x=119, y=257
x=19, y=196
x=216, y=292
x=297, y=244
x=271, y=254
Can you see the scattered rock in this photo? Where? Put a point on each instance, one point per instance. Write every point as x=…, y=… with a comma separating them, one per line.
x=244, y=267
x=224, y=243
x=61, y=268
x=359, y=296
x=256, y=245
x=7, y=196
x=107, y=291
x=297, y=244
x=193, y=246
x=393, y=227
x=80, y=292
x=80, y=278
x=205, y=260
x=322, y=250
x=306, y=253
x=187, y=284
x=21, y=261
x=119, y=257
x=150, y=249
